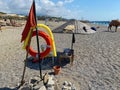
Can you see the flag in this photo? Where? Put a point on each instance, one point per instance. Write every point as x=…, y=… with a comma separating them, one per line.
x=31, y=22
x=73, y=38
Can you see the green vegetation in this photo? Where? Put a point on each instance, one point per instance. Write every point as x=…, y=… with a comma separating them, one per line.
x=50, y=18
x=2, y=13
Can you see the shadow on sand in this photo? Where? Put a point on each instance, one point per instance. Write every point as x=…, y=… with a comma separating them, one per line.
x=109, y=31
x=46, y=63
x=6, y=88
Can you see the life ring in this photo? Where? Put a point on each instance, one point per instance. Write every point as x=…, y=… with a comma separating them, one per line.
x=48, y=40
x=46, y=28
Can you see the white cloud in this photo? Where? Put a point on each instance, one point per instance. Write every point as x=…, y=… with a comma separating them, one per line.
x=47, y=2
x=3, y=6
x=56, y=9
x=60, y=3
x=68, y=1
x=16, y=6
x=45, y=7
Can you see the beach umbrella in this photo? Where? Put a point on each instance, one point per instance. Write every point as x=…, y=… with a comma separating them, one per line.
x=72, y=50
x=73, y=41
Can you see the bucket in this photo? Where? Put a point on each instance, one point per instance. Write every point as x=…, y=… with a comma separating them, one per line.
x=57, y=69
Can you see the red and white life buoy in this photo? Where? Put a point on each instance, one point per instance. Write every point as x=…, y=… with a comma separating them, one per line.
x=48, y=40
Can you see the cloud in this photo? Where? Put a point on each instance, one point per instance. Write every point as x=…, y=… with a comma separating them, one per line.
x=16, y=6
x=60, y=3
x=44, y=7
x=56, y=9
x=68, y=1
x=3, y=6
x=47, y=3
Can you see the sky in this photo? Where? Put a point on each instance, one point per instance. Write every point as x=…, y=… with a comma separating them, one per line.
x=93, y=10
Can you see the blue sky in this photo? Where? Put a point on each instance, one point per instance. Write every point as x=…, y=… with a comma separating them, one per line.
x=77, y=9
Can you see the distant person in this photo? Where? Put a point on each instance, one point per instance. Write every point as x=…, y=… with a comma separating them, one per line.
x=93, y=28
x=84, y=28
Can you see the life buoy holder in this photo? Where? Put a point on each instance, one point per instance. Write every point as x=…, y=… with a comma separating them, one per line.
x=48, y=40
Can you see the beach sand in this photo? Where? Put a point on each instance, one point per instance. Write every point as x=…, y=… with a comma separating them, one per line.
x=96, y=63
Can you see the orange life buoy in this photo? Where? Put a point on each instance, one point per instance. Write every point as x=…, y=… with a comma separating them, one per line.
x=48, y=40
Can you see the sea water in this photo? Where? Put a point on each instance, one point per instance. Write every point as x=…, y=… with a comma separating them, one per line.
x=104, y=23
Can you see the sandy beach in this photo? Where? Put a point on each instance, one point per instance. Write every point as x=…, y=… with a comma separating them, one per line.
x=96, y=63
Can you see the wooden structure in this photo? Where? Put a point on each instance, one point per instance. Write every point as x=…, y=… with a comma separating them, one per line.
x=69, y=56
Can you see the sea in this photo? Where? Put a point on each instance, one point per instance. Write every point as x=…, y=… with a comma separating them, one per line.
x=104, y=23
